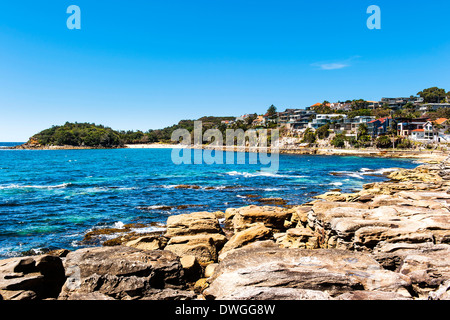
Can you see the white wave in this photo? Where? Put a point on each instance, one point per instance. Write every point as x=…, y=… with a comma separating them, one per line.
x=261, y=174
x=242, y=197
x=337, y=184
x=350, y=174
x=148, y=229
x=273, y=189
x=155, y=207
x=383, y=170
x=16, y=186
x=119, y=225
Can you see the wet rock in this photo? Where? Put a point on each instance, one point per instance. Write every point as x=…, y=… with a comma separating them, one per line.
x=272, y=201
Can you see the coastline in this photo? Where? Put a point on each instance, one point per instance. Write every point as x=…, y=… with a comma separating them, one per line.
x=397, y=231
x=424, y=156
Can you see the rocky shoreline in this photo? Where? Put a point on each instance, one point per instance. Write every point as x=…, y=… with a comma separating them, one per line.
x=389, y=241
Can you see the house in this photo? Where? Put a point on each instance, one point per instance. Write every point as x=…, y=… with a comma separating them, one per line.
x=259, y=121
x=323, y=119
x=399, y=103
x=433, y=131
x=300, y=118
x=380, y=126
x=424, y=129
x=433, y=106
x=374, y=104
x=417, y=135
x=406, y=126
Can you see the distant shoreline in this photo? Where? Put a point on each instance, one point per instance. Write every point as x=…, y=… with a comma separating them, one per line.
x=429, y=156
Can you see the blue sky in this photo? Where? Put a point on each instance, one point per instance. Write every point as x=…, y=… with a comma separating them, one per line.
x=148, y=64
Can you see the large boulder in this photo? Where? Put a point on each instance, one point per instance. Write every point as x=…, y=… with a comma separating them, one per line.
x=271, y=217
x=256, y=233
x=121, y=272
x=35, y=277
x=204, y=247
x=192, y=223
x=331, y=271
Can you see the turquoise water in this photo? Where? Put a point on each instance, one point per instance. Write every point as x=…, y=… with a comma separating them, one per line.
x=50, y=199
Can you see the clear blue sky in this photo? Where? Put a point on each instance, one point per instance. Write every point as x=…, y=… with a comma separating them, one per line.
x=146, y=64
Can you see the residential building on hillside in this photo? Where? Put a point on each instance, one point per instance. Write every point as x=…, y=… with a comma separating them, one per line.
x=405, y=127
x=398, y=103
x=380, y=126
x=323, y=119
x=432, y=106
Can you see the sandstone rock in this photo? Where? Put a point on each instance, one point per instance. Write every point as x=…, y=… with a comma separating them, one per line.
x=146, y=243
x=242, y=238
x=201, y=285
x=442, y=293
x=169, y=294
x=193, y=223
x=90, y=296
x=271, y=217
x=300, y=238
x=27, y=278
x=191, y=267
x=120, y=272
x=204, y=247
x=427, y=271
x=300, y=215
x=210, y=268
x=274, y=293
x=332, y=271
x=372, y=295
x=391, y=255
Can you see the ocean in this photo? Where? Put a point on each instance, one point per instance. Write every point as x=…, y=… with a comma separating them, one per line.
x=50, y=199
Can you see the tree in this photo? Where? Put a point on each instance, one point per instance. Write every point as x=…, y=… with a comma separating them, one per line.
x=433, y=95
x=363, y=129
x=359, y=104
x=323, y=132
x=383, y=142
x=381, y=112
x=338, y=141
x=272, y=111
x=309, y=136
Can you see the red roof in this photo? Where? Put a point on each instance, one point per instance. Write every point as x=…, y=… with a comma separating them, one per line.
x=440, y=120
x=418, y=130
x=382, y=120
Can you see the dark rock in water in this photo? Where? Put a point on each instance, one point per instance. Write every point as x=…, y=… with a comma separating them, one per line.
x=121, y=272
x=271, y=201
x=185, y=186
x=28, y=278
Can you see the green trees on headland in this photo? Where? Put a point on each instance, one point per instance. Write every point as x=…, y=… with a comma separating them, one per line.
x=79, y=134
x=92, y=135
